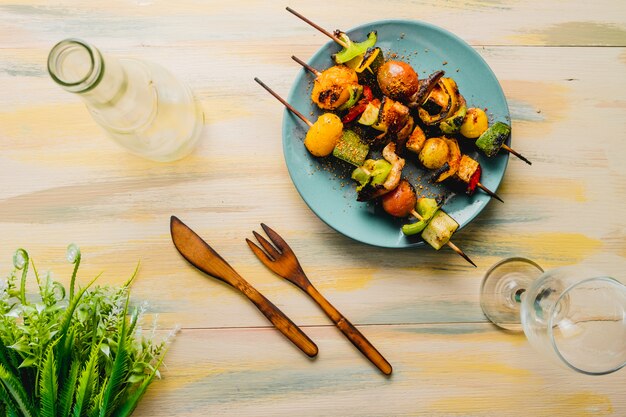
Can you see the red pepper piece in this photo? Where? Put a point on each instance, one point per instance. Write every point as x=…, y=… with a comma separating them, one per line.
x=359, y=107
x=474, y=180
x=367, y=94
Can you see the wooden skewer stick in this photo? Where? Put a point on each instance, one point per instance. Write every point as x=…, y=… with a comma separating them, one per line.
x=289, y=106
x=306, y=66
x=450, y=244
x=514, y=152
x=324, y=31
x=488, y=191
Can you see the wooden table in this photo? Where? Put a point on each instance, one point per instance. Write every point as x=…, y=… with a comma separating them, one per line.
x=562, y=67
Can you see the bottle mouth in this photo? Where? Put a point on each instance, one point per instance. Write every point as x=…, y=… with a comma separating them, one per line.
x=75, y=65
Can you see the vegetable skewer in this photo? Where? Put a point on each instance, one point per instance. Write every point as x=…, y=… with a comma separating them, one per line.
x=436, y=76
x=318, y=74
x=391, y=149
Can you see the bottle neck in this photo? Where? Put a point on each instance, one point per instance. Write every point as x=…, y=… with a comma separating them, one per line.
x=80, y=68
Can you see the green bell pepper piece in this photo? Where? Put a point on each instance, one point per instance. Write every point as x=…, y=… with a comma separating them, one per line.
x=354, y=49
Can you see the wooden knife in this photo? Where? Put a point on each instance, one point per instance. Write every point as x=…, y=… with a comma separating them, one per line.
x=202, y=256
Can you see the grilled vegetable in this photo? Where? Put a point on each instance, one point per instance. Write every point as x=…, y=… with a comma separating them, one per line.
x=452, y=124
x=392, y=117
x=398, y=80
x=434, y=153
x=401, y=200
x=416, y=140
x=439, y=230
x=437, y=106
x=371, y=176
x=333, y=87
x=373, y=171
x=426, y=208
x=474, y=180
x=356, y=110
x=351, y=149
x=397, y=164
x=370, y=114
x=493, y=138
x=468, y=173
x=474, y=123
x=374, y=189
x=454, y=159
x=367, y=65
x=443, y=101
x=353, y=49
x=403, y=134
x=467, y=168
x=355, y=91
x=425, y=88
x=323, y=136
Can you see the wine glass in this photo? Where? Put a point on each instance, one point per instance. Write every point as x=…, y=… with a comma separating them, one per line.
x=573, y=314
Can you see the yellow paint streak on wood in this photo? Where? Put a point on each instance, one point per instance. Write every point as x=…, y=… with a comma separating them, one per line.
x=45, y=123
x=580, y=404
x=349, y=280
x=569, y=247
x=561, y=188
x=574, y=33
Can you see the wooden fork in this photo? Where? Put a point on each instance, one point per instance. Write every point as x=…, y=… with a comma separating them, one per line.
x=282, y=261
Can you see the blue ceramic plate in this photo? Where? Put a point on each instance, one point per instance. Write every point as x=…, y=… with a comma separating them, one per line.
x=325, y=184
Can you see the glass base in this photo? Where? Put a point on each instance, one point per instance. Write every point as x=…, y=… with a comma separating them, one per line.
x=502, y=289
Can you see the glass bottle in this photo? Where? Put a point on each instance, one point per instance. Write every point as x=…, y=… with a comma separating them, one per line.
x=139, y=104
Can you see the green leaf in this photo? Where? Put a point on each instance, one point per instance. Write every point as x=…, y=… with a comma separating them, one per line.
x=105, y=349
x=7, y=402
x=20, y=346
x=67, y=316
x=20, y=261
x=67, y=390
x=94, y=410
x=64, y=351
x=86, y=383
x=48, y=385
x=133, y=324
x=16, y=391
x=29, y=361
x=131, y=402
x=120, y=368
x=8, y=358
x=73, y=256
x=133, y=276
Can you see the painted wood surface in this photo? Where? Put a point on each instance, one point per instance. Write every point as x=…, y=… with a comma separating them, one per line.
x=561, y=65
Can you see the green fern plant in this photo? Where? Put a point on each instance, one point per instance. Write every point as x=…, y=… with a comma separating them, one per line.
x=76, y=354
